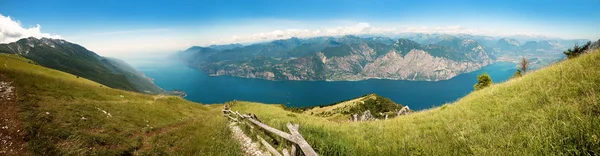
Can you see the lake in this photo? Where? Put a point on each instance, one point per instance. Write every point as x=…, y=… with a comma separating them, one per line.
x=206, y=89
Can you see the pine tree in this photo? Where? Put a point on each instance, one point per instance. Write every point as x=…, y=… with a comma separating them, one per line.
x=577, y=50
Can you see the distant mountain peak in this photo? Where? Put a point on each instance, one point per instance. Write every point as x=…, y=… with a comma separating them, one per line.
x=509, y=41
x=404, y=41
x=32, y=42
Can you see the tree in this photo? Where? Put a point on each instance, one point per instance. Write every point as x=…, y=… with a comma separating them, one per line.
x=483, y=80
x=577, y=50
x=523, y=65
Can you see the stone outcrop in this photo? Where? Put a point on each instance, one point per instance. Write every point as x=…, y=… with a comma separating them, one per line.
x=367, y=116
x=404, y=111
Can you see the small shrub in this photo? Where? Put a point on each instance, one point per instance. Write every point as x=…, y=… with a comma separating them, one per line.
x=517, y=74
x=483, y=80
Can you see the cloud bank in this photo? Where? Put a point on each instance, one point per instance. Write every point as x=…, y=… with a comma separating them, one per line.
x=362, y=29
x=358, y=29
x=11, y=30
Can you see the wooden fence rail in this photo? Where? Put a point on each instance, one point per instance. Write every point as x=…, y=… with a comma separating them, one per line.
x=294, y=136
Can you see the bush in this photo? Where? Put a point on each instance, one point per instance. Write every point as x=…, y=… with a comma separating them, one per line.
x=517, y=74
x=483, y=80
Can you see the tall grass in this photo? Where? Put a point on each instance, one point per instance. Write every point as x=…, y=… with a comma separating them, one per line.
x=64, y=115
x=552, y=111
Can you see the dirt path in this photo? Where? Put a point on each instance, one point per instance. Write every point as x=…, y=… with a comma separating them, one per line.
x=250, y=148
x=11, y=128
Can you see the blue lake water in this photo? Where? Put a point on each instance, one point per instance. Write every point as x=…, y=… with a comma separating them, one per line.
x=417, y=95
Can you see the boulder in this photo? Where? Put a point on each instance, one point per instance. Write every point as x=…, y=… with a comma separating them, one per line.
x=367, y=116
x=404, y=111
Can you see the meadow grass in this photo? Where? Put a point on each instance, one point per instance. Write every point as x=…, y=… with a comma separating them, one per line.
x=67, y=115
x=551, y=111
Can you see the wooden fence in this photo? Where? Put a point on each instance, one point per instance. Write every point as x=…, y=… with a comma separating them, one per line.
x=294, y=136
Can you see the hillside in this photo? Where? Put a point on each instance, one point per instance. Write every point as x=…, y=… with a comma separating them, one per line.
x=551, y=111
x=77, y=60
x=377, y=105
x=49, y=112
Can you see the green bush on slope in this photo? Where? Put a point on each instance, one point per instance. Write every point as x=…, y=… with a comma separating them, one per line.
x=483, y=80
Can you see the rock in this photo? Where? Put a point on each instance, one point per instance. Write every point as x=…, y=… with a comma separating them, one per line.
x=367, y=116
x=354, y=118
x=404, y=111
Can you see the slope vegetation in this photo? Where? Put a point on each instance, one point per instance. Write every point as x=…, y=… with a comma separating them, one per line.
x=552, y=111
x=375, y=104
x=77, y=60
x=62, y=114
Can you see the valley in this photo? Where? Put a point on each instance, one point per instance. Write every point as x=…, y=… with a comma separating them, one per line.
x=203, y=88
x=63, y=114
x=299, y=78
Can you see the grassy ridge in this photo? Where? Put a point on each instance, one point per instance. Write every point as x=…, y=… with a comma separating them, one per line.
x=342, y=111
x=552, y=111
x=66, y=115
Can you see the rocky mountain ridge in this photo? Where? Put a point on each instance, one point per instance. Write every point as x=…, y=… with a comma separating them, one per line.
x=343, y=58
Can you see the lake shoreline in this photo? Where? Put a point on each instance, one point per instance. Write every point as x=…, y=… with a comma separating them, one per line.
x=202, y=88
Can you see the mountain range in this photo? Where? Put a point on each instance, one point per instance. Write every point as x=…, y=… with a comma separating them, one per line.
x=77, y=60
x=425, y=57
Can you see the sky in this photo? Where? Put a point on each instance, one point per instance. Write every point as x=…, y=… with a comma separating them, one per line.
x=118, y=27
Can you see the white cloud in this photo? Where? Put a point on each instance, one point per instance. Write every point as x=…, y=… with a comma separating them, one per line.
x=363, y=29
x=11, y=30
x=445, y=30
x=457, y=29
x=358, y=29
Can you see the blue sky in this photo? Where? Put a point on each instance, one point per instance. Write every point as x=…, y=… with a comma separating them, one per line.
x=113, y=27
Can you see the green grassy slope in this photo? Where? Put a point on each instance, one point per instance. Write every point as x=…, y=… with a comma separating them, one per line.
x=137, y=79
x=66, y=115
x=70, y=58
x=552, y=111
x=77, y=60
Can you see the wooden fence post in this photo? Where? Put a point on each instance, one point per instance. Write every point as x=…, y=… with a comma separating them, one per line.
x=308, y=151
x=268, y=146
x=293, y=151
x=285, y=152
x=294, y=136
